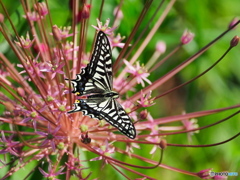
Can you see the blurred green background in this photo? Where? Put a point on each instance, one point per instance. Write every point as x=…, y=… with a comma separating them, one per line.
x=218, y=88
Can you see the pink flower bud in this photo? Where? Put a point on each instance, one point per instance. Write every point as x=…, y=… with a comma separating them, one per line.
x=161, y=47
x=41, y=48
x=9, y=106
x=21, y=92
x=56, y=33
x=163, y=144
x=41, y=8
x=119, y=14
x=187, y=37
x=234, y=41
x=233, y=22
x=143, y=114
x=85, y=11
x=204, y=174
x=1, y=18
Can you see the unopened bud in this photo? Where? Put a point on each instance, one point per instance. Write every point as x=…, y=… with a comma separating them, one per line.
x=41, y=8
x=204, y=174
x=143, y=114
x=233, y=23
x=62, y=108
x=41, y=48
x=56, y=33
x=21, y=92
x=161, y=47
x=33, y=114
x=163, y=144
x=187, y=37
x=118, y=13
x=84, y=128
x=1, y=18
x=61, y=146
x=9, y=106
x=234, y=41
x=85, y=11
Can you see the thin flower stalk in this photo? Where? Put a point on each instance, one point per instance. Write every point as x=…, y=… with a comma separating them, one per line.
x=140, y=19
x=152, y=32
x=166, y=77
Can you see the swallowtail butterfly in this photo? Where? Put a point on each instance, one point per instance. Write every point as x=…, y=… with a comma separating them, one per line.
x=95, y=83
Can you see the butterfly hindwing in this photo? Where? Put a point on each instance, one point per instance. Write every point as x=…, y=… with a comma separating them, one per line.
x=95, y=82
x=120, y=120
x=108, y=109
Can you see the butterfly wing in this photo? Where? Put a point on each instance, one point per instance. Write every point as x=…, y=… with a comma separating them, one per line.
x=96, y=81
x=108, y=109
x=96, y=77
x=120, y=119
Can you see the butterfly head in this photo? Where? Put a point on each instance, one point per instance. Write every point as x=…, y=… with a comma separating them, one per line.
x=77, y=101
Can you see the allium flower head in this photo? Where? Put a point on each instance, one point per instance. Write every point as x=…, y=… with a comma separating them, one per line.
x=139, y=72
x=116, y=41
x=41, y=8
x=40, y=12
x=51, y=174
x=62, y=32
x=117, y=73
x=25, y=42
x=104, y=28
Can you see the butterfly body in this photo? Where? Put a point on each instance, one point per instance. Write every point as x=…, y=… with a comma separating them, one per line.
x=110, y=94
x=94, y=83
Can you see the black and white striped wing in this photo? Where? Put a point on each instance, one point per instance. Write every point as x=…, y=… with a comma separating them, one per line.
x=108, y=109
x=95, y=81
x=96, y=77
x=118, y=118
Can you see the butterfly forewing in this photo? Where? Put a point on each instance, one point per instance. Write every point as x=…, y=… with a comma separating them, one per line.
x=96, y=77
x=95, y=81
